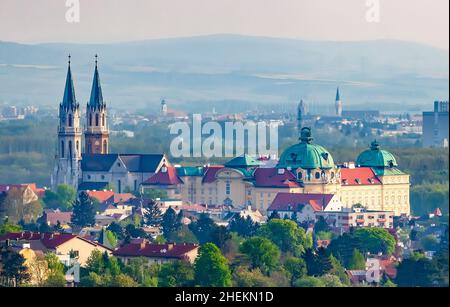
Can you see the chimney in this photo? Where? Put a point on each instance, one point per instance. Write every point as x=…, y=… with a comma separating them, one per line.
x=170, y=246
x=142, y=244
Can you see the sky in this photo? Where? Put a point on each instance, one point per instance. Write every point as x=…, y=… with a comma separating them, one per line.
x=102, y=21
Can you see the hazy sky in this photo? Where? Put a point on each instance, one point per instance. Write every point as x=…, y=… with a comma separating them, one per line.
x=425, y=21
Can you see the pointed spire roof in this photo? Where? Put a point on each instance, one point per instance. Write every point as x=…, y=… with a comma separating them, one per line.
x=69, y=99
x=338, y=95
x=96, y=91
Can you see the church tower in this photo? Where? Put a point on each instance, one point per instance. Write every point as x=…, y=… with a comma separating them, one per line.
x=338, y=103
x=68, y=153
x=301, y=112
x=96, y=134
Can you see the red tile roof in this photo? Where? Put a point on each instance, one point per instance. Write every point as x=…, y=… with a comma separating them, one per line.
x=166, y=176
x=48, y=240
x=359, y=176
x=101, y=196
x=296, y=201
x=210, y=173
x=274, y=177
x=145, y=249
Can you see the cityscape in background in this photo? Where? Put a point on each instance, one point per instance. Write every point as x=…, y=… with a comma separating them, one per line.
x=209, y=160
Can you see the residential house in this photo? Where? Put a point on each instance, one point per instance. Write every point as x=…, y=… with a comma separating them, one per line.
x=157, y=253
x=61, y=244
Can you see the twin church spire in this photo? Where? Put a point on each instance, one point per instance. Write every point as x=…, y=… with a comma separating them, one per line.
x=96, y=133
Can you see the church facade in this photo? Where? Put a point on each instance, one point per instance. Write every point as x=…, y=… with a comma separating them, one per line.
x=92, y=166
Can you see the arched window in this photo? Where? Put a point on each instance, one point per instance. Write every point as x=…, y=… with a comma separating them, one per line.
x=96, y=119
x=62, y=149
x=90, y=119
x=317, y=175
x=103, y=120
x=105, y=147
x=70, y=120
x=70, y=149
x=78, y=147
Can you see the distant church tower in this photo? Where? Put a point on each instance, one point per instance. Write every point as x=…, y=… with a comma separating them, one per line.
x=163, y=108
x=338, y=103
x=301, y=112
x=68, y=156
x=96, y=134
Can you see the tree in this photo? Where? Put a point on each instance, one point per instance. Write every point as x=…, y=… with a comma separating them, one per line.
x=124, y=281
x=55, y=276
x=171, y=222
x=13, y=267
x=152, y=216
x=183, y=235
x=262, y=253
x=83, y=211
x=243, y=277
x=116, y=229
x=18, y=207
x=245, y=227
x=321, y=225
x=211, y=268
x=176, y=274
x=220, y=236
x=286, y=235
x=296, y=268
x=203, y=228
x=9, y=228
x=416, y=271
x=429, y=243
x=357, y=262
x=137, y=268
x=310, y=282
x=375, y=240
x=63, y=198
x=112, y=239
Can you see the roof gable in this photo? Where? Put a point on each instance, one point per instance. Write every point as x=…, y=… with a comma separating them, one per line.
x=296, y=201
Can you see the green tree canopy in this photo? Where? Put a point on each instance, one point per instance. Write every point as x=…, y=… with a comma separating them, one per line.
x=286, y=235
x=211, y=268
x=83, y=211
x=176, y=274
x=262, y=253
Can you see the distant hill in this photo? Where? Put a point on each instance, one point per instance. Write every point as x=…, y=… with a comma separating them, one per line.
x=192, y=72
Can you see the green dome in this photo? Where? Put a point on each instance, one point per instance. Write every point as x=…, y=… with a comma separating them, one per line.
x=376, y=157
x=306, y=155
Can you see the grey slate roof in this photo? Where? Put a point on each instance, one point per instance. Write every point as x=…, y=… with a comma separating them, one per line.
x=96, y=91
x=146, y=163
x=69, y=99
x=92, y=186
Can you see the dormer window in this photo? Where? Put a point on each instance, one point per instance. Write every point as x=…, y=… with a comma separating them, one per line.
x=358, y=181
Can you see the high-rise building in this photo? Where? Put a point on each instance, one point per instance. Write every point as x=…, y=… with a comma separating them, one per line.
x=96, y=135
x=338, y=103
x=435, y=126
x=68, y=153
